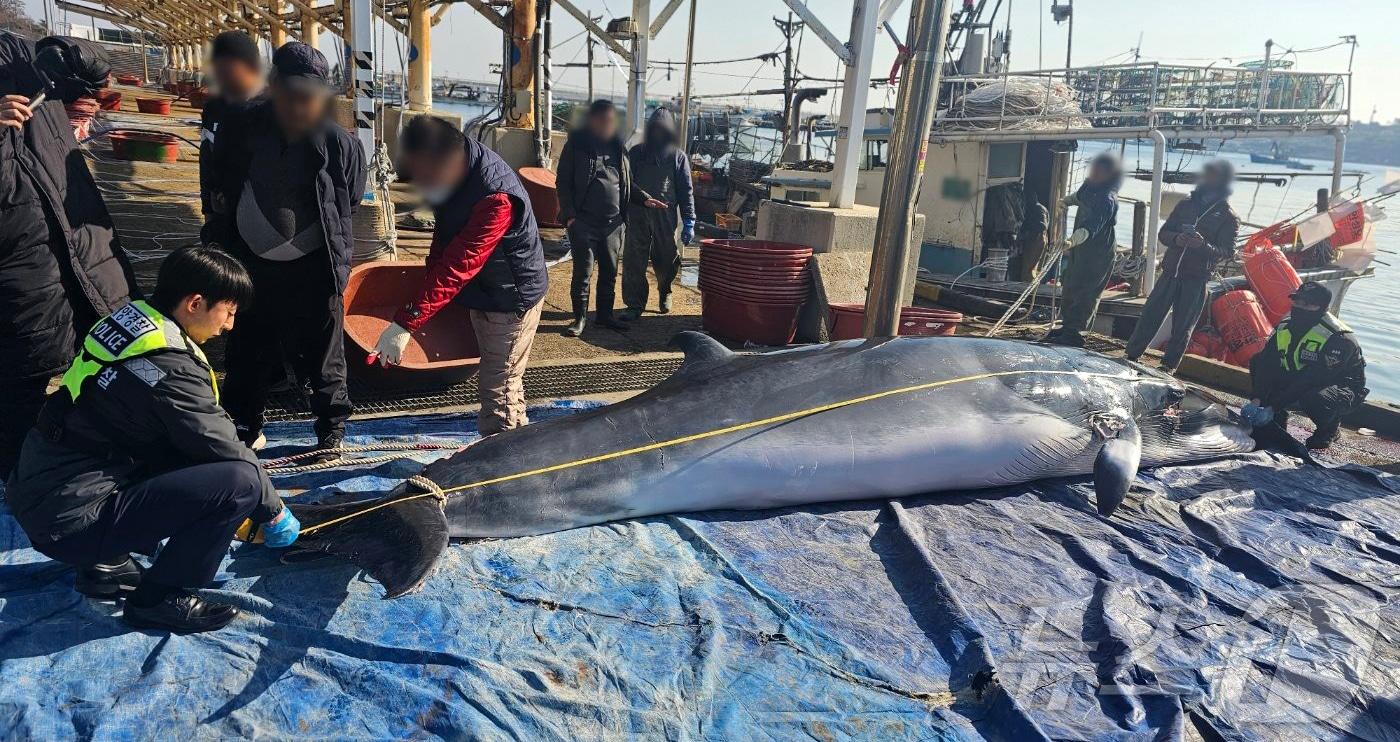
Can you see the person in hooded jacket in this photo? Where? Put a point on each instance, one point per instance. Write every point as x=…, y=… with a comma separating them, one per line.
x=1090, y=258
x=1199, y=235
x=61, y=264
x=661, y=185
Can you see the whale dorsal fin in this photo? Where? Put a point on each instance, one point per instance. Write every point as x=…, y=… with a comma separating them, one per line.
x=702, y=353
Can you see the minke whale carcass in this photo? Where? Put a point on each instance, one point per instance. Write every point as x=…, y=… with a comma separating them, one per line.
x=849, y=420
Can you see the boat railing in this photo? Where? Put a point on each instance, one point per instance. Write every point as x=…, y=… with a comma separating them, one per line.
x=1144, y=96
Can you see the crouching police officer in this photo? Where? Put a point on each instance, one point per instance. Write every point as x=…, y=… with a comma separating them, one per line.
x=133, y=448
x=1313, y=363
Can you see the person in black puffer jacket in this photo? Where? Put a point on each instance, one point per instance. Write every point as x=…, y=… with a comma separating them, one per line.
x=61, y=264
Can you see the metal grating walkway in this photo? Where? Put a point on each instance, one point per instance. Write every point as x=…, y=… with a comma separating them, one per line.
x=542, y=382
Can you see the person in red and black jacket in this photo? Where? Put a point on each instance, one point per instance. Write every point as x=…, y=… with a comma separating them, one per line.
x=486, y=255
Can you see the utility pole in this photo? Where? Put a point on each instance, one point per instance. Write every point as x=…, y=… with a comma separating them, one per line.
x=590, y=41
x=685, y=91
x=913, y=118
x=789, y=29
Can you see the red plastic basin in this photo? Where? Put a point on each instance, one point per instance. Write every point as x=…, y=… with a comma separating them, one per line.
x=749, y=322
x=144, y=146
x=756, y=247
x=848, y=321
x=128, y=79
x=153, y=105
x=109, y=100
x=544, y=196
x=778, y=276
x=756, y=297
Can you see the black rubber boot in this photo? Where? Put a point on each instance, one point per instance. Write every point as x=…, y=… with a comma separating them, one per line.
x=180, y=612
x=1323, y=437
x=575, y=328
x=109, y=581
x=328, y=443
x=664, y=302
x=610, y=322
x=628, y=314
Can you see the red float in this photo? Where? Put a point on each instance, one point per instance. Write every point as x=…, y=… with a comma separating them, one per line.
x=1242, y=325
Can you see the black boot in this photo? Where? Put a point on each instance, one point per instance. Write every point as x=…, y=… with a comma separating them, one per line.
x=1323, y=437
x=329, y=443
x=628, y=314
x=109, y=581
x=664, y=302
x=575, y=328
x=609, y=321
x=179, y=612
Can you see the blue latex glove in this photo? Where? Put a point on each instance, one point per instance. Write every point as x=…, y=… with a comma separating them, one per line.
x=1256, y=415
x=282, y=531
x=687, y=231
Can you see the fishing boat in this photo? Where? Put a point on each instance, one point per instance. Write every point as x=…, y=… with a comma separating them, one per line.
x=1277, y=157
x=444, y=351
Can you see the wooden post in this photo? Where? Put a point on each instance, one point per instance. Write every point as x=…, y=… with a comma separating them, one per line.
x=276, y=36
x=1139, y=243
x=520, y=109
x=420, y=57
x=310, y=30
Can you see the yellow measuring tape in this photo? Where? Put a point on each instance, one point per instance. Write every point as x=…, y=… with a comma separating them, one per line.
x=443, y=492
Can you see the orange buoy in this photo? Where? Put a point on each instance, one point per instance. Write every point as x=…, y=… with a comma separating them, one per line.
x=1272, y=278
x=1242, y=325
x=1207, y=344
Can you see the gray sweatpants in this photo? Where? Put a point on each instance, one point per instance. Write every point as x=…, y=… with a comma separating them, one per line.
x=1185, y=298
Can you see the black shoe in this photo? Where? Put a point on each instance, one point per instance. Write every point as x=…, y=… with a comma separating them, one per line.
x=253, y=439
x=1323, y=438
x=109, y=581
x=180, y=612
x=611, y=323
x=664, y=302
x=629, y=314
x=328, y=443
x=575, y=328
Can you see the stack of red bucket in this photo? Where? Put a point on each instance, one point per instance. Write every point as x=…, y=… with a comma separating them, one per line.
x=752, y=290
x=848, y=321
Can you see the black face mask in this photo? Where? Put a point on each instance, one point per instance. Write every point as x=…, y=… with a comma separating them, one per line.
x=1304, y=318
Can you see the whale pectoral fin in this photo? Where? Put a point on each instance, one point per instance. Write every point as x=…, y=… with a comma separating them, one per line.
x=396, y=541
x=1115, y=467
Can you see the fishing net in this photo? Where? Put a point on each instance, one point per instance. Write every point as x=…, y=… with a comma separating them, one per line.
x=1020, y=103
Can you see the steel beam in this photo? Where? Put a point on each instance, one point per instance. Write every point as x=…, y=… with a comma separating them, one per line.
x=850, y=128
x=659, y=22
x=595, y=29
x=815, y=23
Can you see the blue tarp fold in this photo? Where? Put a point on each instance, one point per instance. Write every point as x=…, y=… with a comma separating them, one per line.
x=1254, y=597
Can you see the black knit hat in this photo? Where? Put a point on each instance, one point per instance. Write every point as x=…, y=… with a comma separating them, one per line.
x=236, y=45
x=298, y=66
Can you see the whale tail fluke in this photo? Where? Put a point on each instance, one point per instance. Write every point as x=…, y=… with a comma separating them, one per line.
x=396, y=540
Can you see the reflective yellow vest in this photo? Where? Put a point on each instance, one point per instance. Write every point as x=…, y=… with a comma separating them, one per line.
x=132, y=331
x=1310, y=347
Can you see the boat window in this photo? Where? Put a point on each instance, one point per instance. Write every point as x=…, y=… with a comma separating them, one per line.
x=1004, y=159
x=874, y=154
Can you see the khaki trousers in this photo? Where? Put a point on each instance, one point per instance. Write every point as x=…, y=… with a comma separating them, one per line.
x=504, y=339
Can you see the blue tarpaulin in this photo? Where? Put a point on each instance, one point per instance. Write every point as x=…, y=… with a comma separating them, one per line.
x=1254, y=597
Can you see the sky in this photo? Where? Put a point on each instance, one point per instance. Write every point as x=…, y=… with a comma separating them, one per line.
x=464, y=44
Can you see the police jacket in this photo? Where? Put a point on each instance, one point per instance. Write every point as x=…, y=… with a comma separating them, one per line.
x=61, y=265
x=146, y=403
x=1212, y=217
x=1301, y=360
x=340, y=183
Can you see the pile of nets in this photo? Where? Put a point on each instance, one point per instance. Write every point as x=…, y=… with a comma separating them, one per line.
x=1019, y=103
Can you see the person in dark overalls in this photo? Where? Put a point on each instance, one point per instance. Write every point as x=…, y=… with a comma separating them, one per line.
x=661, y=184
x=1312, y=363
x=1089, y=262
